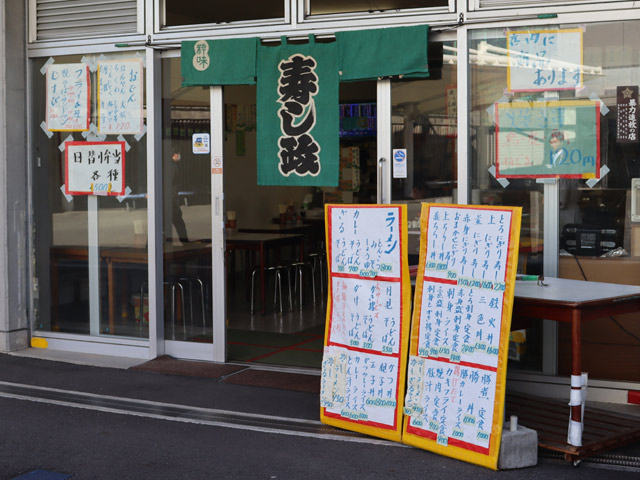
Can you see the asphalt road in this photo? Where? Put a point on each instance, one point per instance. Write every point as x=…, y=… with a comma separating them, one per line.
x=91, y=443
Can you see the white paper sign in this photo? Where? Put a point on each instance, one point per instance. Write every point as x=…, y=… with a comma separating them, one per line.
x=451, y=401
x=94, y=168
x=67, y=97
x=200, y=143
x=362, y=356
x=545, y=60
x=120, y=96
x=452, y=379
x=400, y=163
x=359, y=386
x=366, y=313
x=366, y=242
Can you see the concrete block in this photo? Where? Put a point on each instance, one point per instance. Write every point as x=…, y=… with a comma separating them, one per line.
x=518, y=449
x=12, y=341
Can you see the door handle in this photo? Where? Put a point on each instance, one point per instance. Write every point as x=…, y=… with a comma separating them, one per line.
x=381, y=162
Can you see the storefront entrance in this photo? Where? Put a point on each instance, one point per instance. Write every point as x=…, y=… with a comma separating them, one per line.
x=278, y=318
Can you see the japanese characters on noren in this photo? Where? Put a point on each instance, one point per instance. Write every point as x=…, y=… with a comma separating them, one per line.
x=297, y=85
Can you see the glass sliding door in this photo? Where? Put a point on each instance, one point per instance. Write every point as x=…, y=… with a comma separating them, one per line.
x=423, y=125
x=186, y=159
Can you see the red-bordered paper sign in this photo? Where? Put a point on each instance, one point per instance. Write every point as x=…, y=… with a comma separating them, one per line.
x=94, y=168
x=456, y=371
x=366, y=338
x=548, y=139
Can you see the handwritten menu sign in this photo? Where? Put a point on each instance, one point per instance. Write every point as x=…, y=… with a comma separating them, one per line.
x=120, y=96
x=94, y=168
x=366, y=339
x=67, y=97
x=548, y=139
x=544, y=60
x=460, y=330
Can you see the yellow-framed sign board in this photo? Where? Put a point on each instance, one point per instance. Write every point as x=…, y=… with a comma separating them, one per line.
x=459, y=338
x=368, y=315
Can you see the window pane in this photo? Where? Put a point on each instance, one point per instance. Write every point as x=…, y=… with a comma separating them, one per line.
x=488, y=83
x=86, y=286
x=191, y=12
x=598, y=238
x=423, y=116
x=323, y=7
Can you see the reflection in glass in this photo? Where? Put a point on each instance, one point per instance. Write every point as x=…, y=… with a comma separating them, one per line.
x=186, y=209
x=76, y=295
x=424, y=124
x=488, y=82
x=191, y=12
x=595, y=229
x=358, y=137
x=323, y=7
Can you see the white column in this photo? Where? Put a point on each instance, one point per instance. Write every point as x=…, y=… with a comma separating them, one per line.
x=219, y=296
x=384, y=141
x=464, y=115
x=154, y=204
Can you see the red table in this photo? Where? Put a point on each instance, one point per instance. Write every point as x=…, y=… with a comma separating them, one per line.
x=573, y=301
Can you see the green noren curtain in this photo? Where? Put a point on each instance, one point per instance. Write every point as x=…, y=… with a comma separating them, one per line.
x=362, y=55
x=219, y=62
x=298, y=116
x=297, y=91
x=383, y=52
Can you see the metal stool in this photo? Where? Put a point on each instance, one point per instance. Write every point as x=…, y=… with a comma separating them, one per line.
x=298, y=276
x=174, y=285
x=190, y=281
x=277, y=289
x=317, y=261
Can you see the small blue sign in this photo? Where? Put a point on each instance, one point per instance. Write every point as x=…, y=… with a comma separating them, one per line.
x=400, y=163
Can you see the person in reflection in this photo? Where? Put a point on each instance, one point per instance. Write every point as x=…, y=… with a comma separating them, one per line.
x=558, y=152
x=176, y=212
x=419, y=189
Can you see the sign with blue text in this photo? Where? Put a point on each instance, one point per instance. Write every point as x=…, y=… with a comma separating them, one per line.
x=400, y=163
x=94, y=168
x=120, y=96
x=542, y=60
x=548, y=139
x=459, y=339
x=366, y=339
x=68, y=87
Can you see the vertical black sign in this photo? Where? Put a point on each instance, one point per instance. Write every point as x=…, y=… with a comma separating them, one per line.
x=627, y=102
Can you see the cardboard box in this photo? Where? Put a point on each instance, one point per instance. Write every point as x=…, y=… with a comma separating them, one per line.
x=621, y=270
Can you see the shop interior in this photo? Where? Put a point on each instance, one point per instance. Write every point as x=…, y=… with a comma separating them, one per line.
x=287, y=328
